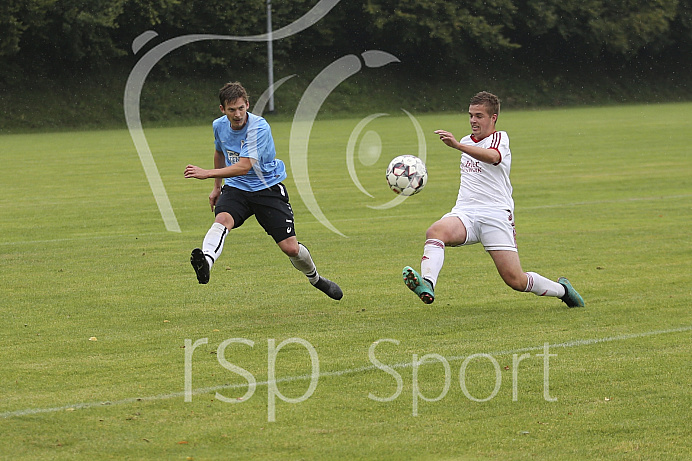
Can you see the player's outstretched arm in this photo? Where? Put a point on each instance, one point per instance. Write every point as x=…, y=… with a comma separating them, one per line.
x=484, y=155
x=241, y=167
x=448, y=138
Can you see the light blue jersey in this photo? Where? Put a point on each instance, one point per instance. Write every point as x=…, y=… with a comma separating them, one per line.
x=253, y=141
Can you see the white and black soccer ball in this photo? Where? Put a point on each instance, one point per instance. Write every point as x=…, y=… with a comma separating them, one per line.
x=407, y=175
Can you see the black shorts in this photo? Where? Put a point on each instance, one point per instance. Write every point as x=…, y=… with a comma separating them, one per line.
x=270, y=206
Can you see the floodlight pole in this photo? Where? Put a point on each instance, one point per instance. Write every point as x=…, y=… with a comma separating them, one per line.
x=270, y=55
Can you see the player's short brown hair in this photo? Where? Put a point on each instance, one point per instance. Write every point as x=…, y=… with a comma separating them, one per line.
x=232, y=91
x=489, y=100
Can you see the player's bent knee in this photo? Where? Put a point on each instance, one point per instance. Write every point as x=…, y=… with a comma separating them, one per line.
x=225, y=219
x=516, y=282
x=438, y=232
x=451, y=231
x=432, y=233
x=290, y=247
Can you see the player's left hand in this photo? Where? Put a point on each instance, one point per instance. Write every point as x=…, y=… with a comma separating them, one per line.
x=192, y=171
x=447, y=138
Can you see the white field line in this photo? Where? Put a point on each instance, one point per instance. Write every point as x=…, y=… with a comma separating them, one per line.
x=312, y=222
x=85, y=237
x=599, y=202
x=350, y=371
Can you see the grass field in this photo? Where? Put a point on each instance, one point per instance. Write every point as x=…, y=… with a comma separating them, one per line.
x=98, y=301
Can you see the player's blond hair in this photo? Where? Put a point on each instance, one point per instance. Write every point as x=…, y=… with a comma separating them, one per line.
x=488, y=100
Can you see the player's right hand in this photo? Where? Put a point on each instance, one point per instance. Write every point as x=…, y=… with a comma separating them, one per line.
x=192, y=171
x=214, y=197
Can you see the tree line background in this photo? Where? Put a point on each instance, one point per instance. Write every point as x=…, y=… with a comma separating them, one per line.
x=537, y=40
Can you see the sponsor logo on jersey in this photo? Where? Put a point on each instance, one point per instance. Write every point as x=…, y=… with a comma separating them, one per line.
x=232, y=156
x=471, y=166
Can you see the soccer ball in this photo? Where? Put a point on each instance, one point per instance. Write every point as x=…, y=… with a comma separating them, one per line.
x=407, y=175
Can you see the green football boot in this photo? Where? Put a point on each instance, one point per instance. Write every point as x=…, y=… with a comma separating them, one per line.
x=571, y=297
x=420, y=286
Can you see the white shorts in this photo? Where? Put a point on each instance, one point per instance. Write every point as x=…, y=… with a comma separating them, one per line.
x=492, y=227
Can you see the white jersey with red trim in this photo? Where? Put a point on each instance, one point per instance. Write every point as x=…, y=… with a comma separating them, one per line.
x=485, y=184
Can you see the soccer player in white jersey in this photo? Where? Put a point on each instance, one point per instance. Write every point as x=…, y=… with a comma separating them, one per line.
x=484, y=212
x=247, y=181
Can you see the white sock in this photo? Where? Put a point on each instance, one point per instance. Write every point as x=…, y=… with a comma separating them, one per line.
x=542, y=286
x=303, y=262
x=433, y=259
x=213, y=242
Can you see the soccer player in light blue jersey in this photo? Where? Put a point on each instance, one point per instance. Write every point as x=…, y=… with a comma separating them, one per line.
x=248, y=181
